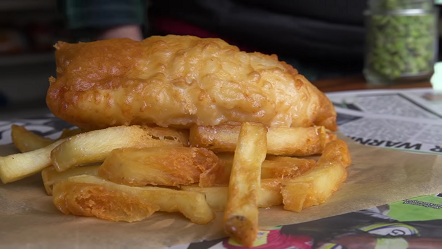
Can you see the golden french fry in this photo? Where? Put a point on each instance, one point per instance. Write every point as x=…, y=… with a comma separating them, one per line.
x=285, y=167
x=94, y=146
x=273, y=167
x=192, y=205
x=268, y=195
x=319, y=183
x=25, y=140
x=284, y=141
x=167, y=166
x=69, y=133
x=18, y=166
x=227, y=161
x=106, y=203
x=50, y=176
x=220, y=138
x=336, y=153
x=216, y=196
x=299, y=141
x=241, y=212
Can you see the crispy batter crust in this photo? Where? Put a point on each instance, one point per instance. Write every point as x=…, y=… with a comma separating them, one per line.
x=179, y=81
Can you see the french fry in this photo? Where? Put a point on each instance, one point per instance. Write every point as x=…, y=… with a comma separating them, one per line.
x=284, y=141
x=273, y=167
x=227, y=161
x=216, y=196
x=65, y=133
x=191, y=204
x=18, y=166
x=241, y=212
x=86, y=199
x=336, y=153
x=94, y=146
x=268, y=195
x=255, y=179
x=25, y=140
x=319, y=183
x=167, y=166
x=220, y=138
x=50, y=176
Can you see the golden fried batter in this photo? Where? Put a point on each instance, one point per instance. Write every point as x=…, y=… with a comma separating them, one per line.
x=179, y=81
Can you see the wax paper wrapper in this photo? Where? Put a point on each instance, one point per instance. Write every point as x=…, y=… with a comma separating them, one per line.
x=376, y=177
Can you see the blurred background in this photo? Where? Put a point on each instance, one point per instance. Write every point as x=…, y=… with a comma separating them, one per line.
x=28, y=29
x=322, y=40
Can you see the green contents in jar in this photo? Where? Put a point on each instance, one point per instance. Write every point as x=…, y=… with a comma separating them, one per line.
x=401, y=45
x=401, y=40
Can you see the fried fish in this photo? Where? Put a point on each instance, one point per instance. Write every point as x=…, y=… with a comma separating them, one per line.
x=178, y=81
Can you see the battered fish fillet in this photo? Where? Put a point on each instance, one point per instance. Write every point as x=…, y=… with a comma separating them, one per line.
x=179, y=81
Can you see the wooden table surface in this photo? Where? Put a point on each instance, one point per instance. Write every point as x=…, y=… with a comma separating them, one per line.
x=358, y=82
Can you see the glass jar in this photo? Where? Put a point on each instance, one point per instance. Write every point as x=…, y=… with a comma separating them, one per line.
x=401, y=41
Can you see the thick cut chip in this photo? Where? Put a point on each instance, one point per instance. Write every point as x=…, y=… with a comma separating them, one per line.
x=25, y=140
x=88, y=199
x=294, y=141
x=220, y=138
x=268, y=195
x=192, y=205
x=70, y=132
x=319, y=183
x=298, y=141
x=285, y=167
x=216, y=196
x=336, y=152
x=18, y=166
x=273, y=167
x=241, y=212
x=167, y=166
x=50, y=176
x=94, y=146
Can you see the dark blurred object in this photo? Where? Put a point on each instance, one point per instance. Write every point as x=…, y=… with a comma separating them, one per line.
x=88, y=19
x=438, y=6
x=309, y=30
x=12, y=41
x=31, y=25
x=30, y=37
x=42, y=36
x=335, y=11
x=20, y=5
x=321, y=34
x=3, y=99
x=29, y=28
